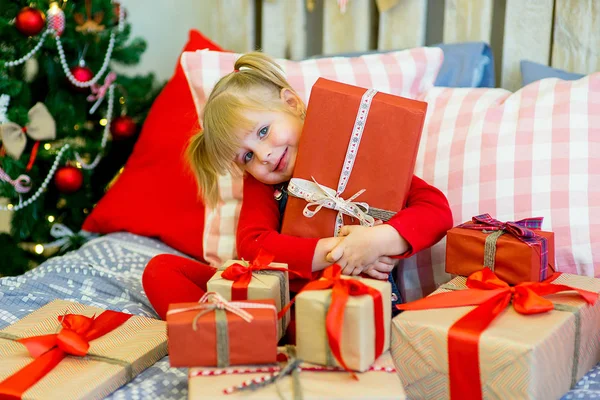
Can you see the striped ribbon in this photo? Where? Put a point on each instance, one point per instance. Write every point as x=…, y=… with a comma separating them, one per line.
x=22, y=183
x=521, y=229
x=323, y=196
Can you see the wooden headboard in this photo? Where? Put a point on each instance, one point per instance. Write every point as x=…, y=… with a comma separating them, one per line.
x=561, y=33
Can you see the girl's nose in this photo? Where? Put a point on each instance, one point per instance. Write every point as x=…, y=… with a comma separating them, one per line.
x=264, y=155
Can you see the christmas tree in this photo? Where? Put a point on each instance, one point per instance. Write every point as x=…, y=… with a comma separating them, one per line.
x=67, y=121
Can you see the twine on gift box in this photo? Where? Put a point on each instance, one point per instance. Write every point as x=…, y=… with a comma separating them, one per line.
x=489, y=251
x=212, y=301
x=292, y=368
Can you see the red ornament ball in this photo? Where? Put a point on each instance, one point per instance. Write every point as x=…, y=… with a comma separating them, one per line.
x=68, y=179
x=81, y=73
x=30, y=21
x=122, y=127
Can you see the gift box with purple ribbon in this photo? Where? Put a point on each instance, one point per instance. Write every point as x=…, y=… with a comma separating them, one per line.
x=516, y=251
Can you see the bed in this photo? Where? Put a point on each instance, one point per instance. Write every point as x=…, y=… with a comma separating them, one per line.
x=106, y=272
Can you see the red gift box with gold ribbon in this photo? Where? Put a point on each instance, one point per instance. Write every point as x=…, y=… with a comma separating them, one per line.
x=217, y=333
x=355, y=159
x=531, y=341
x=516, y=251
x=67, y=349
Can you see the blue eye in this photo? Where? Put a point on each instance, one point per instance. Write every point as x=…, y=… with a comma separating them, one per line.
x=248, y=157
x=262, y=132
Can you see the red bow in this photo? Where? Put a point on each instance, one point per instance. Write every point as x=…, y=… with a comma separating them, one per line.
x=241, y=275
x=49, y=350
x=491, y=295
x=342, y=289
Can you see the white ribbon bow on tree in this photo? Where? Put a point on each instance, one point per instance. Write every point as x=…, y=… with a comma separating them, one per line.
x=41, y=127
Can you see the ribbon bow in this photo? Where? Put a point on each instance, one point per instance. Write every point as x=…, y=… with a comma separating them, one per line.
x=322, y=196
x=520, y=229
x=342, y=289
x=211, y=301
x=99, y=91
x=41, y=126
x=48, y=350
x=491, y=295
x=241, y=275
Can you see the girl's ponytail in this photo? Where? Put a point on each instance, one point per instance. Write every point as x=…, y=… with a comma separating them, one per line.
x=264, y=67
x=205, y=174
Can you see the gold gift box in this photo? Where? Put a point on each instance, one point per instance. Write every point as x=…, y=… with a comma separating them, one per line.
x=264, y=285
x=316, y=385
x=358, y=331
x=520, y=356
x=139, y=342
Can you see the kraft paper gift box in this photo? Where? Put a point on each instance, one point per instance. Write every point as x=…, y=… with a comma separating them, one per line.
x=380, y=382
x=538, y=356
x=512, y=259
x=215, y=332
x=353, y=139
x=130, y=345
x=358, y=334
x=263, y=284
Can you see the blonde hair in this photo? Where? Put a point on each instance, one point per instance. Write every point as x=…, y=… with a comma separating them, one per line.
x=255, y=84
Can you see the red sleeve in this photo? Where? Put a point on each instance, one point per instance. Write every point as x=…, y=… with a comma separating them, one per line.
x=259, y=226
x=425, y=219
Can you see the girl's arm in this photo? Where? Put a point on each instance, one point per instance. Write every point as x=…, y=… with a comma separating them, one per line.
x=424, y=220
x=259, y=226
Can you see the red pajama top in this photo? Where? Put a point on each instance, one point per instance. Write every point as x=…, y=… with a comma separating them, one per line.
x=422, y=222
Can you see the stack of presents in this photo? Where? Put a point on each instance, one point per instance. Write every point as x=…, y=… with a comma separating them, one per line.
x=506, y=327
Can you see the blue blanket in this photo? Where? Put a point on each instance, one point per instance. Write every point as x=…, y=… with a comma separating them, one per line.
x=106, y=272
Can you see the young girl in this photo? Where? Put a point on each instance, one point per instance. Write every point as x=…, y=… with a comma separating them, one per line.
x=252, y=122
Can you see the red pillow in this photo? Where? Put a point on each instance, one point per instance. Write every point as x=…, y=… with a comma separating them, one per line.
x=156, y=195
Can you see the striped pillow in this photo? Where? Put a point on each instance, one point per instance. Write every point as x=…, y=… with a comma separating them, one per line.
x=532, y=153
x=405, y=73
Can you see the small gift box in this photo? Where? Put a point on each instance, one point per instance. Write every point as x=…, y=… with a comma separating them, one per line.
x=516, y=251
x=216, y=332
x=307, y=381
x=356, y=158
x=535, y=348
x=69, y=350
x=343, y=321
x=256, y=280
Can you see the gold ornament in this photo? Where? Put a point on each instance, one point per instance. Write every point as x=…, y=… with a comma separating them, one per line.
x=91, y=24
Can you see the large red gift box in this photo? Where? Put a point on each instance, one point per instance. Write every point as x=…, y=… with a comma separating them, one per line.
x=353, y=139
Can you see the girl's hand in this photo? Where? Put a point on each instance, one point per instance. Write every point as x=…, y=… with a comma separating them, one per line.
x=321, y=257
x=362, y=246
x=359, y=249
x=381, y=268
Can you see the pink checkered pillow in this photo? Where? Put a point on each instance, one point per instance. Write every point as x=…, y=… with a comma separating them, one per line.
x=532, y=153
x=406, y=73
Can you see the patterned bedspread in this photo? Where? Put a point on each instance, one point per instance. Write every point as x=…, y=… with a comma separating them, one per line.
x=106, y=272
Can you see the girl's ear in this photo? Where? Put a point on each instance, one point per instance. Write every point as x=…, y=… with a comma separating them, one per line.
x=291, y=99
